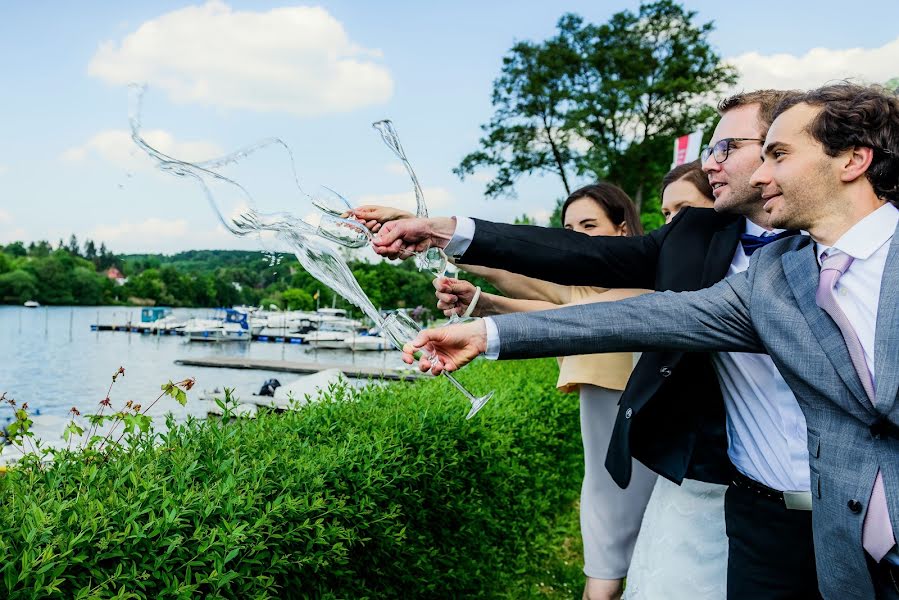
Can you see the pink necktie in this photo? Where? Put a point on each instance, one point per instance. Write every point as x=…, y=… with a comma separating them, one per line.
x=877, y=532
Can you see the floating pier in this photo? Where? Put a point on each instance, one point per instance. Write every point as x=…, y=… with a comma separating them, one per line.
x=289, y=366
x=144, y=330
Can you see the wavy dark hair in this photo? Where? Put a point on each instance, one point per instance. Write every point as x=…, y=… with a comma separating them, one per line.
x=853, y=116
x=690, y=172
x=613, y=201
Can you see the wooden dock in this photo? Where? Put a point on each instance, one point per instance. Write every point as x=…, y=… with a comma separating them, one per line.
x=291, y=366
x=144, y=329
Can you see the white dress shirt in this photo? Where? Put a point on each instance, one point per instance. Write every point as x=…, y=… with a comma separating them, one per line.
x=766, y=431
x=858, y=290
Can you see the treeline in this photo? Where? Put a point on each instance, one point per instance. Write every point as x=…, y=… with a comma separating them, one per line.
x=75, y=274
x=66, y=274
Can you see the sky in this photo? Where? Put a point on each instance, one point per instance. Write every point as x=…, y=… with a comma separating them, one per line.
x=222, y=75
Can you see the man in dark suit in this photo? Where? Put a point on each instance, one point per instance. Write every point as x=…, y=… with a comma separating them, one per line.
x=672, y=415
x=824, y=306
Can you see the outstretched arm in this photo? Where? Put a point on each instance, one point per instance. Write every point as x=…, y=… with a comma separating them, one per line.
x=555, y=255
x=454, y=296
x=714, y=319
x=522, y=287
x=565, y=257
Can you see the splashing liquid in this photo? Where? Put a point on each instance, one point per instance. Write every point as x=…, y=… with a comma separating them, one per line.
x=432, y=256
x=318, y=258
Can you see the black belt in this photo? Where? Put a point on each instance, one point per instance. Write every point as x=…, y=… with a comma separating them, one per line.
x=789, y=500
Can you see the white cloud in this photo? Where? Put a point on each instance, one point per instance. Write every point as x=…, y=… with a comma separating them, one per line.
x=152, y=228
x=5, y=217
x=159, y=235
x=117, y=147
x=4, y=169
x=816, y=67
x=166, y=236
x=298, y=60
x=12, y=235
x=395, y=168
x=439, y=200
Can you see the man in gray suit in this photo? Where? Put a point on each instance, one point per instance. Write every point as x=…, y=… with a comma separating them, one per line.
x=826, y=309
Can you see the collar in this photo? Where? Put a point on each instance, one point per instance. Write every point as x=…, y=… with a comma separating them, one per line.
x=757, y=230
x=867, y=236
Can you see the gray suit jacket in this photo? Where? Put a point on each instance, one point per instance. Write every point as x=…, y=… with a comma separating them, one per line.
x=769, y=308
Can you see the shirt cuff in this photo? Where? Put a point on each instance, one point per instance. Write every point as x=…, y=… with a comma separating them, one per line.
x=462, y=237
x=492, y=352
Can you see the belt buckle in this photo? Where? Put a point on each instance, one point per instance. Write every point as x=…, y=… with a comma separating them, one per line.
x=798, y=500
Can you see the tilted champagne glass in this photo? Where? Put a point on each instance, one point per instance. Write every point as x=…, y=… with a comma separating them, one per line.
x=401, y=329
x=353, y=234
x=335, y=205
x=391, y=139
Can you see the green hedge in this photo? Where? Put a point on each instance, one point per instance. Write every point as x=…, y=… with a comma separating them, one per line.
x=393, y=494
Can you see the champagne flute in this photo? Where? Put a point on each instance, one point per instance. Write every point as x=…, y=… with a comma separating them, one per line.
x=401, y=329
x=391, y=139
x=330, y=202
x=353, y=234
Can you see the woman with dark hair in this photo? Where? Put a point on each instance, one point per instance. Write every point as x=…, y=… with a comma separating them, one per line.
x=617, y=207
x=610, y=517
x=685, y=185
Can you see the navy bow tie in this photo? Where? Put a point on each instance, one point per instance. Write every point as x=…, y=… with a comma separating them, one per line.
x=751, y=243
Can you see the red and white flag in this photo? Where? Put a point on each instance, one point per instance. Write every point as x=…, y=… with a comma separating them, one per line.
x=686, y=148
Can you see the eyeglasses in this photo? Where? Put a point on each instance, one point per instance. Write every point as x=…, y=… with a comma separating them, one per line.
x=722, y=148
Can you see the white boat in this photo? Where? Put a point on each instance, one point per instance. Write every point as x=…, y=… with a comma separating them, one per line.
x=32, y=304
x=333, y=329
x=233, y=328
x=357, y=342
x=367, y=343
x=327, y=338
x=293, y=394
x=305, y=389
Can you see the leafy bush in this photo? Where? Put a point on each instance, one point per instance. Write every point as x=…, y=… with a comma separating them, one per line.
x=383, y=493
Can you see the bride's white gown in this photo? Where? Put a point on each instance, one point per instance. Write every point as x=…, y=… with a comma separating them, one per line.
x=681, y=551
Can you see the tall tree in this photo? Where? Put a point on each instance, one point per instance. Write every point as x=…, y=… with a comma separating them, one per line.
x=618, y=94
x=526, y=134
x=73, y=247
x=90, y=250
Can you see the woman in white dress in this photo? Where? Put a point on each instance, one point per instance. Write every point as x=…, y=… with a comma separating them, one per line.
x=681, y=551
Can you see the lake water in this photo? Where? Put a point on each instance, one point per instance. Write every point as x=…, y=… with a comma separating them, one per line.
x=50, y=358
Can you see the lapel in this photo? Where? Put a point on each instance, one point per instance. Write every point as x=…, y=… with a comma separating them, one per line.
x=886, y=333
x=801, y=271
x=721, y=252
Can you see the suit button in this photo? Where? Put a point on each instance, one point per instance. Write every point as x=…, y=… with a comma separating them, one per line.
x=855, y=506
x=629, y=413
x=665, y=372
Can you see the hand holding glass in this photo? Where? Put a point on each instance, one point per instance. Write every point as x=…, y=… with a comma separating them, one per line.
x=401, y=329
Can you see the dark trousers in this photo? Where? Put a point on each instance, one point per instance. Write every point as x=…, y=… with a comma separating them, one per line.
x=770, y=549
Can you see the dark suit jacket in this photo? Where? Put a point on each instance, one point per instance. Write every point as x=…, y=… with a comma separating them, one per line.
x=671, y=416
